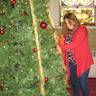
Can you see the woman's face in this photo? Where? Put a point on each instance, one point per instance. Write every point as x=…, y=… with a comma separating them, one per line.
x=70, y=24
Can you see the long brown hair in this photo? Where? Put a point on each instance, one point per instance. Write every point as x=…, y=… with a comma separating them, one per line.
x=72, y=17
x=64, y=30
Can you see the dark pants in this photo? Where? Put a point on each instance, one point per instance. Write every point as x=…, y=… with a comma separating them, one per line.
x=79, y=82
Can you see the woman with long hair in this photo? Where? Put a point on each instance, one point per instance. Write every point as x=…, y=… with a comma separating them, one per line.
x=76, y=53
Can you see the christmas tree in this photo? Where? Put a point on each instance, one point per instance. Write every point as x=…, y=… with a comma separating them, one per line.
x=30, y=64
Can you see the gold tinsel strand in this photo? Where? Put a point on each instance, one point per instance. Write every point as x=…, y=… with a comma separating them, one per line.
x=38, y=47
x=53, y=25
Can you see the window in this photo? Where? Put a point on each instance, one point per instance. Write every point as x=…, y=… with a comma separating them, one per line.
x=83, y=9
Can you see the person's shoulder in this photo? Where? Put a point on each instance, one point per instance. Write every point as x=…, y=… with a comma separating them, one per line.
x=82, y=27
x=81, y=30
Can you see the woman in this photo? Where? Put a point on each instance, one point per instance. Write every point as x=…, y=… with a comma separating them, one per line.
x=77, y=55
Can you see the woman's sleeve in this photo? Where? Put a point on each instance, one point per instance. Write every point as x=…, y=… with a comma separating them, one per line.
x=77, y=39
x=60, y=44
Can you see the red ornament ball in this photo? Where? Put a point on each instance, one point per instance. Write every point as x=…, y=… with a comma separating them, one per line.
x=46, y=79
x=2, y=32
x=34, y=49
x=43, y=25
x=13, y=2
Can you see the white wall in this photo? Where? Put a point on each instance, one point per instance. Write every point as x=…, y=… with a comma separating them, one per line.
x=92, y=73
x=55, y=10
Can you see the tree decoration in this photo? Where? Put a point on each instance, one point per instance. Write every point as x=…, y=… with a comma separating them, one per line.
x=46, y=79
x=2, y=31
x=13, y=2
x=42, y=90
x=35, y=50
x=43, y=25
